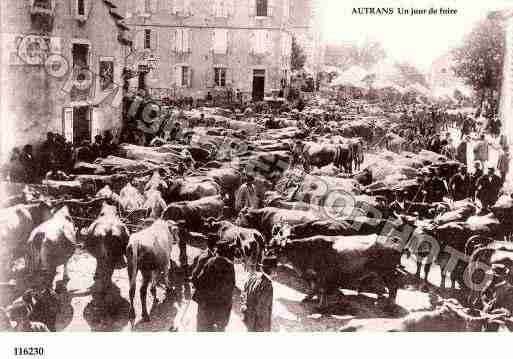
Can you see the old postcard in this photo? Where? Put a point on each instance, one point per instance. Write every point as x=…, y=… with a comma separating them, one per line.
x=182, y=166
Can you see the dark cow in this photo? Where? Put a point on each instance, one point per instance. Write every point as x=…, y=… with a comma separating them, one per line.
x=16, y=224
x=321, y=155
x=249, y=243
x=454, y=236
x=329, y=263
x=503, y=210
x=50, y=245
x=191, y=189
x=364, y=177
x=43, y=306
x=106, y=239
x=193, y=212
x=149, y=251
x=449, y=316
x=265, y=219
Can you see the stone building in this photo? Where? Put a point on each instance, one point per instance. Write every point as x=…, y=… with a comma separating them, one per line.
x=61, y=67
x=202, y=46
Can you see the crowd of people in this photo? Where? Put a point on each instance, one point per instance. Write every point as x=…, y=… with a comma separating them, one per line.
x=55, y=158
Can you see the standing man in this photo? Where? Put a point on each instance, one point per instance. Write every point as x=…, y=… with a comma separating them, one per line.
x=214, y=280
x=474, y=177
x=257, y=298
x=436, y=187
x=461, y=151
x=460, y=184
x=488, y=187
x=481, y=150
x=503, y=163
x=246, y=195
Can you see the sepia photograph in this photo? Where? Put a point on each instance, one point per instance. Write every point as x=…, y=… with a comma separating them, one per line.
x=280, y=166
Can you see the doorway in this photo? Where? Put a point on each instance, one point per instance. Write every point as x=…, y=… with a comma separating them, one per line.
x=81, y=124
x=258, y=85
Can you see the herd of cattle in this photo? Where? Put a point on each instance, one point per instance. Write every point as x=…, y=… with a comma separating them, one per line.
x=330, y=225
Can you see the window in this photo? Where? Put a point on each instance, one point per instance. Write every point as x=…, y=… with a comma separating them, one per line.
x=185, y=76
x=220, y=76
x=261, y=7
x=181, y=7
x=261, y=39
x=220, y=41
x=182, y=41
x=80, y=54
x=147, y=39
x=221, y=8
x=81, y=7
x=43, y=4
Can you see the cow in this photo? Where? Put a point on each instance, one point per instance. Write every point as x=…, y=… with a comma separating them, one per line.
x=130, y=198
x=193, y=212
x=154, y=204
x=357, y=153
x=331, y=262
x=249, y=243
x=448, y=316
x=322, y=154
x=364, y=177
x=156, y=182
x=50, y=245
x=16, y=224
x=149, y=251
x=106, y=239
x=191, y=189
x=43, y=305
x=264, y=219
x=433, y=242
x=108, y=194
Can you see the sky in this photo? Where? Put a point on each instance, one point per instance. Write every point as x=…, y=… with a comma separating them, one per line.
x=418, y=39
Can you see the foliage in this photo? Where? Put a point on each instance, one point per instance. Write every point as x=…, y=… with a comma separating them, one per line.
x=479, y=61
x=347, y=55
x=410, y=74
x=298, y=56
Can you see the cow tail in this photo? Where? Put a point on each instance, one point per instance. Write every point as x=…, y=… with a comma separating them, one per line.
x=33, y=260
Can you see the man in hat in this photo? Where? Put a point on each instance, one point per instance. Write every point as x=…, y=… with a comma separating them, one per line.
x=481, y=150
x=436, y=187
x=503, y=163
x=214, y=280
x=257, y=297
x=474, y=177
x=461, y=151
x=246, y=195
x=488, y=187
x=460, y=184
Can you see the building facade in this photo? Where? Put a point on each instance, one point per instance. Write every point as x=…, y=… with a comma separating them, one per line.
x=61, y=64
x=202, y=46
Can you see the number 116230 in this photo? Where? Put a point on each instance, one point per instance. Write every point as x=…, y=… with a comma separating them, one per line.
x=29, y=351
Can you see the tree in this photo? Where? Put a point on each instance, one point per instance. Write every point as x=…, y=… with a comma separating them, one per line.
x=479, y=61
x=298, y=56
x=347, y=55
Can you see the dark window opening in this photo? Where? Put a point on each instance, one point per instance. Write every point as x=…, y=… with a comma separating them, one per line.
x=81, y=7
x=43, y=4
x=220, y=76
x=80, y=55
x=261, y=6
x=185, y=76
x=147, y=39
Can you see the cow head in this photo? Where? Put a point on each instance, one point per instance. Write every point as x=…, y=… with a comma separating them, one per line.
x=280, y=236
x=108, y=210
x=212, y=224
x=247, y=218
x=174, y=229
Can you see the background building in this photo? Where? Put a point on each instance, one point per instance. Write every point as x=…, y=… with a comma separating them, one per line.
x=61, y=67
x=211, y=45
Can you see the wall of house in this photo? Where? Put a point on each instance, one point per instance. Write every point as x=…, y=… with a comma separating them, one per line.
x=34, y=96
x=201, y=22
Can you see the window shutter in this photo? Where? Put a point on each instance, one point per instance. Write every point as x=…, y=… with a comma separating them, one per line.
x=67, y=123
x=286, y=9
x=139, y=6
x=178, y=6
x=154, y=40
x=270, y=7
x=187, y=40
x=139, y=39
x=268, y=43
x=187, y=7
x=174, y=40
x=153, y=6
x=55, y=45
x=253, y=40
x=87, y=8
x=252, y=7
x=175, y=76
x=190, y=77
x=230, y=5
